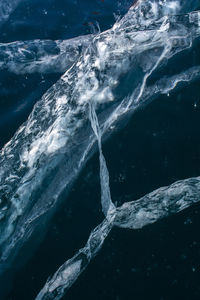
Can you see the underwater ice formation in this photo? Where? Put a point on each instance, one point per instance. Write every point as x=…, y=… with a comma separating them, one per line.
x=107, y=205
x=41, y=56
x=67, y=274
x=46, y=154
x=159, y=204
x=152, y=207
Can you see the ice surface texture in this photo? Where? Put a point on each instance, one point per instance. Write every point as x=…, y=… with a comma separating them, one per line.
x=47, y=153
x=41, y=56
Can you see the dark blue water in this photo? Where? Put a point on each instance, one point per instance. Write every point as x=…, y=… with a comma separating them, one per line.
x=157, y=146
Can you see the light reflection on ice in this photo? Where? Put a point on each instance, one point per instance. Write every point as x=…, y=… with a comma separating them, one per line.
x=49, y=150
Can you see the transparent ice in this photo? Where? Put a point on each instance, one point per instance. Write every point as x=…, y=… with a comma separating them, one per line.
x=47, y=153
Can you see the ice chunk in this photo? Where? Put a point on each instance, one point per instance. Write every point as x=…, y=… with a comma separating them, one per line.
x=161, y=203
x=67, y=274
x=42, y=56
